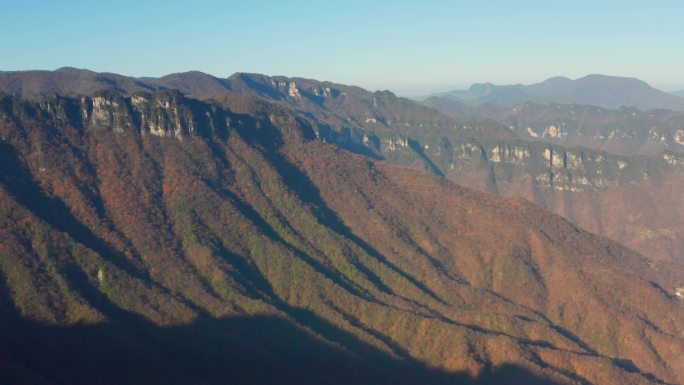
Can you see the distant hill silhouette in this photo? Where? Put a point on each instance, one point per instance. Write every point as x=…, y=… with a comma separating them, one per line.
x=597, y=90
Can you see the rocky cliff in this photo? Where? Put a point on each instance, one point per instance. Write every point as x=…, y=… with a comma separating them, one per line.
x=166, y=114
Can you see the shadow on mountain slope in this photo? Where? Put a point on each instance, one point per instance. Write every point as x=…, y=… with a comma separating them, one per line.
x=240, y=350
x=263, y=349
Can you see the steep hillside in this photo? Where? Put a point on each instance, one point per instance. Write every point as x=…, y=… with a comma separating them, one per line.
x=159, y=239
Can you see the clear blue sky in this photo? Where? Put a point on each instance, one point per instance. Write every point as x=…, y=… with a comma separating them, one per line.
x=407, y=46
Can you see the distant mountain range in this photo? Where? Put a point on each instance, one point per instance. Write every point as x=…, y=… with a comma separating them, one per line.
x=597, y=90
x=678, y=93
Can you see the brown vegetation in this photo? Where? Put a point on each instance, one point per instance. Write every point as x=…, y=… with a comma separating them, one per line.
x=196, y=259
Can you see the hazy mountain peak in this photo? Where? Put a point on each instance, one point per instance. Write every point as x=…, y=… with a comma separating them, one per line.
x=594, y=89
x=480, y=86
x=557, y=79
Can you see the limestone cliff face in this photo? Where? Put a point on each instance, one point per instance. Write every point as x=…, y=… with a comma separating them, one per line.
x=164, y=114
x=546, y=166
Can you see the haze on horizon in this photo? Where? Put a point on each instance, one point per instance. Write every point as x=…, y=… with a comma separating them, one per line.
x=411, y=48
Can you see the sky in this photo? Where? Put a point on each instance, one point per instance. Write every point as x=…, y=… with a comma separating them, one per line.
x=410, y=47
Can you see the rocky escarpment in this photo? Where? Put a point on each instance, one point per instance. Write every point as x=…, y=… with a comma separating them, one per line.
x=165, y=113
x=558, y=168
x=625, y=131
